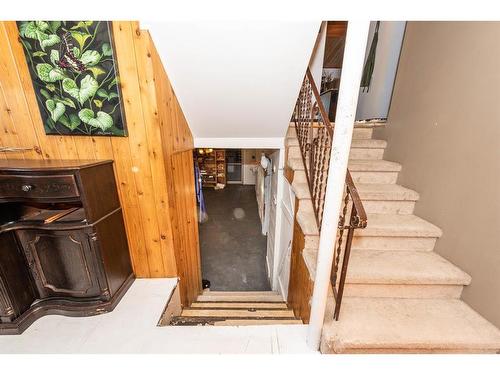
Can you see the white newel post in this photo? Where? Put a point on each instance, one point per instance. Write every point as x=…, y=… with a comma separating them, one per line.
x=352, y=66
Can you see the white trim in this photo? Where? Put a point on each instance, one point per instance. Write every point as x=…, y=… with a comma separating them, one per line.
x=276, y=142
x=354, y=56
x=282, y=290
x=279, y=218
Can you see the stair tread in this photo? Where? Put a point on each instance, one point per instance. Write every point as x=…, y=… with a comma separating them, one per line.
x=378, y=192
x=296, y=164
x=356, y=143
x=301, y=190
x=218, y=321
x=368, y=143
x=412, y=324
x=395, y=225
x=395, y=267
x=386, y=192
x=256, y=322
x=237, y=313
x=238, y=304
x=306, y=218
x=238, y=293
x=356, y=165
x=211, y=296
x=373, y=165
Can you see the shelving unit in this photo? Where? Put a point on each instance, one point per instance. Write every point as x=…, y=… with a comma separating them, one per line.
x=212, y=164
x=220, y=159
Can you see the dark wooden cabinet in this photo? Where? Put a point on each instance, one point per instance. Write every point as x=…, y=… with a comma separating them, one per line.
x=63, y=247
x=63, y=263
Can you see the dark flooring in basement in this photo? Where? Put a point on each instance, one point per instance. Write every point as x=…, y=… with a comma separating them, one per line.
x=233, y=249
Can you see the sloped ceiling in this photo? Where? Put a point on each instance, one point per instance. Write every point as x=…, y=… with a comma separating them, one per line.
x=235, y=79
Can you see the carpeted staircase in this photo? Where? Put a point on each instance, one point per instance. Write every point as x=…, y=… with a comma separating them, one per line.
x=400, y=296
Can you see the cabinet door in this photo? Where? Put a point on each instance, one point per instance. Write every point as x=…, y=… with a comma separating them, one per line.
x=7, y=312
x=62, y=263
x=16, y=286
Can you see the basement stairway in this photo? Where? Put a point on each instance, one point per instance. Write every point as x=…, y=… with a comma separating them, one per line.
x=400, y=296
x=236, y=309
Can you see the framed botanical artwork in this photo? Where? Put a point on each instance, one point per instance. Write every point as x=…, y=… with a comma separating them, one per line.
x=75, y=76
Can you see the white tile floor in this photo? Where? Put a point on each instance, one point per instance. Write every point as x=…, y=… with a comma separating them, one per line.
x=131, y=328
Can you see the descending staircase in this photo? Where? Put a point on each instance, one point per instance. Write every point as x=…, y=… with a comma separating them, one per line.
x=237, y=309
x=400, y=296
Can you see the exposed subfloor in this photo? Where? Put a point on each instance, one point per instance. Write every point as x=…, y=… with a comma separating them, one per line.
x=233, y=249
x=132, y=328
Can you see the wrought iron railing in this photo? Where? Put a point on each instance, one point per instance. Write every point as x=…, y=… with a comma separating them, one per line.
x=315, y=134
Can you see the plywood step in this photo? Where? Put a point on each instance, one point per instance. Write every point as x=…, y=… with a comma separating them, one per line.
x=238, y=313
x=237, y=308
x=239, y=305
x=214, y=321
x=255, y=322
x=240, y=297
x=399, y=325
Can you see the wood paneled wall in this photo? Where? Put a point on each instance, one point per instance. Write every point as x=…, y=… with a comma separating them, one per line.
x=301, y=286
x=153, y=165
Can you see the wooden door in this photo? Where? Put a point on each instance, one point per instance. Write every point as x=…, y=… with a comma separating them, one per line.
x=62, y=262
x=16, y=289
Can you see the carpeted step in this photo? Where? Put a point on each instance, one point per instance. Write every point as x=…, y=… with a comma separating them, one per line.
x=411, y=274
x=400, y=325
x=387, y=198
x=374, y=171
x=396, y=232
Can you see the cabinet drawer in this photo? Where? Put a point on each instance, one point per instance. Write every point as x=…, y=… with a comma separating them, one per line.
x=21, y=186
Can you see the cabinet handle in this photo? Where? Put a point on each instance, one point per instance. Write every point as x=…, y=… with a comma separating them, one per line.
x=27, y=188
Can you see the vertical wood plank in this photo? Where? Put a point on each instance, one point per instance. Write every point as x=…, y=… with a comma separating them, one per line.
x=124, y=42
x=147, y=82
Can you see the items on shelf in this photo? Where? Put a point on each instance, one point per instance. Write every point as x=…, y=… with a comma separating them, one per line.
x=212, y=164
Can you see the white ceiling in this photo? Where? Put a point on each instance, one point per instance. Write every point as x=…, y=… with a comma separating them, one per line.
x=235, y=79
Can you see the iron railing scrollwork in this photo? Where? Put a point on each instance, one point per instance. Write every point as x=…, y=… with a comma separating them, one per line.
x=315, y=134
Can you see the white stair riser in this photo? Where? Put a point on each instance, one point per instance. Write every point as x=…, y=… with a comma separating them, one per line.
x=358, y=133
x=299, y=177
x=355, y=154
x=402, y=291
x=389, y=207
x=311, y=241
x=362, y=133
x=294, y=152
x=374, y=177
x=366, y=153
x=394, y=243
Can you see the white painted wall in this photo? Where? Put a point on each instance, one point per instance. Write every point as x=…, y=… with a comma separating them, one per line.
x=375, y=103
x=235, y=79
x=318, y=55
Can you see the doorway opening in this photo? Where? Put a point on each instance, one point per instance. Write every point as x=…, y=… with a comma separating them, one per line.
x=236, y=217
